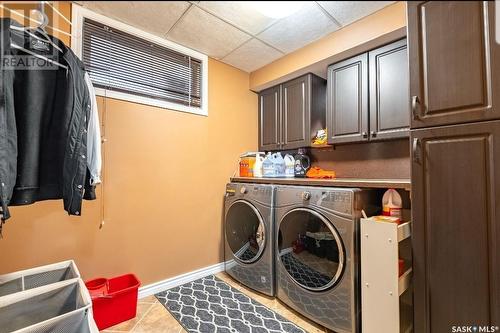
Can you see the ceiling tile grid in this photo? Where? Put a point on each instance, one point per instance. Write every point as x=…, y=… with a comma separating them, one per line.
x=207, y=33
x=299, y=29
x=234, y=31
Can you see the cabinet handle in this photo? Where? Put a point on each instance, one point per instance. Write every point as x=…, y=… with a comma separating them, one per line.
x=416, y=150
x=415, y=107
x=365, y=135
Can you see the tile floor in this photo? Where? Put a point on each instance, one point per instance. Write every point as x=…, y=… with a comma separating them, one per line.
x=152, y=317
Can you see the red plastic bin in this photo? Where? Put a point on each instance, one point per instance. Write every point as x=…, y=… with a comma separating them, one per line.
x=113, y=300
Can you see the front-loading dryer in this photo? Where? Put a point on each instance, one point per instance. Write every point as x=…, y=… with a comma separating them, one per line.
x=317, y=253
x=249, y=235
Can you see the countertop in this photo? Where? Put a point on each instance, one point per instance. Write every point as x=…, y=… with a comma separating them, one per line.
x=336, y=182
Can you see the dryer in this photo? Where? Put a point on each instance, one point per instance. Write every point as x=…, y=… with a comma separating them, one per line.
x=317, y=253
x=249, y=235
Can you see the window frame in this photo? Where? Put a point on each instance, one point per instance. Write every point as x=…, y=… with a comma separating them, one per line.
x=79, y=13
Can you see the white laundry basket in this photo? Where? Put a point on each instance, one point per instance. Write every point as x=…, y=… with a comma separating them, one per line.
x=64, y=307
x=37, y=277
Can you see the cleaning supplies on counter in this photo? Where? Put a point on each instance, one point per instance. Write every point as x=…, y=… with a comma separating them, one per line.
x=257, y=166
x=392, y=203
x=246, y=164
x=318, y=173
x=302, y=163
x=268, y=166
x=279, y=165
x=289, y=166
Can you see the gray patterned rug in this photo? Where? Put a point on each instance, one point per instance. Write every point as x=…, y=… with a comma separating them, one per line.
x=211, y=305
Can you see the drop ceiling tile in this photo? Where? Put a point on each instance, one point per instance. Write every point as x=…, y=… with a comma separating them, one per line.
x=305, y=26
x=252, y=55
x=349, y=11
x=145, y=15
x=206, y=33
x=239, y=13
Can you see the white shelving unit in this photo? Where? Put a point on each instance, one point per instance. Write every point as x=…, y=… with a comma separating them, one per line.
x=385, y=304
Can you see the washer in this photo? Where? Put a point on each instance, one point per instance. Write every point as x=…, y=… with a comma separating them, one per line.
x=249, y=235
x=317, y=253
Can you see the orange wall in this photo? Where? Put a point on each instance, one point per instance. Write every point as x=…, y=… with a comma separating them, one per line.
x=388, y=19
x=164, y=179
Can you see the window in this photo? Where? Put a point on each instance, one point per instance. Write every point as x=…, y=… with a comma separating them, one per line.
x=129, y=64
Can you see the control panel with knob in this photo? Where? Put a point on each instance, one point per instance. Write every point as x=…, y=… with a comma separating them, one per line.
x=306, y=195
x=243, y=190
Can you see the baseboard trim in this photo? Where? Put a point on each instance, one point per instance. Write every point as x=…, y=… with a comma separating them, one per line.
x=178, y=280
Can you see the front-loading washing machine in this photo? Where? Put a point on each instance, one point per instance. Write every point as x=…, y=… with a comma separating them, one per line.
x=317, y=253
x=249, y=235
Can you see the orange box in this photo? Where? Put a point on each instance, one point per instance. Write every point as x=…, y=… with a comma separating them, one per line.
x=246, y=166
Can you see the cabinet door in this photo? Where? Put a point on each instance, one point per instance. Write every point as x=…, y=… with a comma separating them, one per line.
x=296, y=113
x=269, y=119
x=389, y=91
x=456, y=226
x=347, y=104
x=454, y=62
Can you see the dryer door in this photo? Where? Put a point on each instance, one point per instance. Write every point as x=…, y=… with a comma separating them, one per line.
x=310, y=249
x=245, y=231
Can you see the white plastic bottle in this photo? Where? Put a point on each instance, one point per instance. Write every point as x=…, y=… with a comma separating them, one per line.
x=279, y=165
x=268, y=166
x=392, y=203
x=289, y=166
x=257, y=166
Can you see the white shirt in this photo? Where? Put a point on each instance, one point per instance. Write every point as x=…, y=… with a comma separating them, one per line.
x=94, y=159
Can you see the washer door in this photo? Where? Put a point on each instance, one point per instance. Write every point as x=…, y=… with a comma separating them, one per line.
x=245, y=231
x=310, y=249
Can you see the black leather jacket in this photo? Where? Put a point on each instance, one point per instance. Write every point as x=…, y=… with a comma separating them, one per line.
x=43, y=123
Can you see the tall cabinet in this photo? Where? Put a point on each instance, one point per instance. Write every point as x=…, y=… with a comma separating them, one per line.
x=455, y=137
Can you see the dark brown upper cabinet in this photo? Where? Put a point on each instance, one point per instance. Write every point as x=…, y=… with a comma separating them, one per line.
x=389, y=91
x=368, y=96
x=295, y=112
x=291, y=113
x=347, y=100
x=454, y=62
x=270, y=118
x=456, y=226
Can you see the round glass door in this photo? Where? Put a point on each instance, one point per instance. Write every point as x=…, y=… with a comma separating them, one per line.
x=310, y=249
x=245, y=231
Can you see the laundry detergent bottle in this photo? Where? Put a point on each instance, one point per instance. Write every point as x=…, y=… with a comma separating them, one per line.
x=302, y=163
x=289, y=166
x=257, y=166
x=279, y=165
x=268, y=166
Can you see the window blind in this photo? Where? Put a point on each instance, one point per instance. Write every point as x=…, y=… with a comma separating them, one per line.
x=122, y=62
